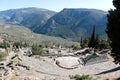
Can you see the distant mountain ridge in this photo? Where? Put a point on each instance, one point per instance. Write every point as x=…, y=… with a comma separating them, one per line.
x=31, y=18
x=74, y=23
x=68, y=23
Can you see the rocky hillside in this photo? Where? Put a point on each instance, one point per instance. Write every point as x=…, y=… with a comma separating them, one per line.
x=20, y=33
x=31, y=18
x=74, y=23
x=68, y=23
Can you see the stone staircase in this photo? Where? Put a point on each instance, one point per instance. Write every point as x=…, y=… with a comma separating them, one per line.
x=94, y=59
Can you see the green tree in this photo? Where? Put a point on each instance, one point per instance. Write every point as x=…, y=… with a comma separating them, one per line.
x=37, y=49
x=97, y=41
x=113, y=30
x=94, y=39
x=85, y=42
x=17, y=44
x=20, y=44
x=81, y=42
x=104, y=44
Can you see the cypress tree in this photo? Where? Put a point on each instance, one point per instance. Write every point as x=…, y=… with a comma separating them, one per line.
x=92, y=39
x=97, y=41
x=113, y=30
x=81, y=42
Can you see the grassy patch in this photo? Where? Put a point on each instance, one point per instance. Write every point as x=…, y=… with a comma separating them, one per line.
x=2, y=56
x=83, y=77
x=19, y=33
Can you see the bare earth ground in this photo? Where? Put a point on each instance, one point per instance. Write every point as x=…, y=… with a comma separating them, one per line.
x=46, y=69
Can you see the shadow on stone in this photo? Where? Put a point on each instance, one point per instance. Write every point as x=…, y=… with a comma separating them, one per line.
x=109, y=71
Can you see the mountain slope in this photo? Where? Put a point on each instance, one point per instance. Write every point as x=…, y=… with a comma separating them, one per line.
x=31, y=18
x=74, y=23
x=69, y=23
x=20, y=33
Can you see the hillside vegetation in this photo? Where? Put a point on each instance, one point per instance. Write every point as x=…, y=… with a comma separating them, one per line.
x=31, y=18
x=76, y=23
x=20, y=33
x=69, y=23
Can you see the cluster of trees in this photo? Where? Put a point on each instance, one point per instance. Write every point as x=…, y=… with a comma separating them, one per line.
x=19, y=44
x=94, y=41
x=4, y=45
x=112, y=30
x=36, y=49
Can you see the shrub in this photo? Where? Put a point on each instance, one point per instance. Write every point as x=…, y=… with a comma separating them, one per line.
x=83, y=77
x=76, y=47
x=2, y=56
x=37, y=49
x=104, y=44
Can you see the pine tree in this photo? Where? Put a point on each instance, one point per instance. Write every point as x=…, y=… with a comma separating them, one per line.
x=113, y=30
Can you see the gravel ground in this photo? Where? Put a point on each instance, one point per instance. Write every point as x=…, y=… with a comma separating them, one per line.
x=45, y=68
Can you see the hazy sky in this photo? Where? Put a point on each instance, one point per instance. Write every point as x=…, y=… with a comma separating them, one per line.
x=56, y=5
